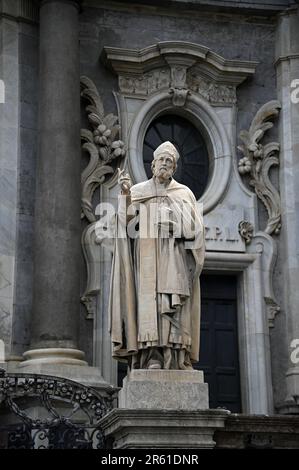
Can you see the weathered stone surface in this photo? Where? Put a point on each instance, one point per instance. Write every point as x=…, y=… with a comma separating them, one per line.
x=164, y=389
x=162, y=429
x=9, y=147
x=28, y=68
x=57, y=211
x=258, y=432
x=287, y=68
x=56, y=363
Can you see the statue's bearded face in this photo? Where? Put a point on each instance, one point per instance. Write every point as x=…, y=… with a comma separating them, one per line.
x=163, y=166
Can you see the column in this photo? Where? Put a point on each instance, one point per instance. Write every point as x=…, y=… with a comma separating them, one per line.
x=56, y=301
x=287, y=67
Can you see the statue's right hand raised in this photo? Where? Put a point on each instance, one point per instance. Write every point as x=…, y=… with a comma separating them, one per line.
x=124, y=181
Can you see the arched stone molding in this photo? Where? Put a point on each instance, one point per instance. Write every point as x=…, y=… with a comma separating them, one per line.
x=202, y=115
x=183, y=78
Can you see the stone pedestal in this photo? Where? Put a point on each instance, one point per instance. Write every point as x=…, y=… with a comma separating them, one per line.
x=164, y=389
x=163, y=429
x=163, y=409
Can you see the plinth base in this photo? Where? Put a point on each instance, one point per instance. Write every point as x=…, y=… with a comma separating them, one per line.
x=61, y=362
x=66, y=356
x=164, y=389
x=163, y=409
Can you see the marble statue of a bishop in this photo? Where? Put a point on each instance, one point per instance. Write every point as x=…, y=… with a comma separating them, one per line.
x=158, y=256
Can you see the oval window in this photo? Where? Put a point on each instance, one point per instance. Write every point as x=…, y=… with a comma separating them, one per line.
x=193, y=165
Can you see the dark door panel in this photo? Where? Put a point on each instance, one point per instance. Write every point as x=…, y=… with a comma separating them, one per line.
x=219, y=356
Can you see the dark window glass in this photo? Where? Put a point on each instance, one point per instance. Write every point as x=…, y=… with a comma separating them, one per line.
x=193, y=165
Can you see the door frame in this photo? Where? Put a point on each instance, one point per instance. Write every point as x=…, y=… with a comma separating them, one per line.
x=253, y=320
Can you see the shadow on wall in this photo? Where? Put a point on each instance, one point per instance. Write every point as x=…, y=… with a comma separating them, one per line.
x=2, y=351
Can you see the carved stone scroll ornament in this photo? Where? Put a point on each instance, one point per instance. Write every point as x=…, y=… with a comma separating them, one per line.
x=179, y=96
x=264, y=245
x=257, y=161
x=246, y=231
x=103, y=146
x=179, y=89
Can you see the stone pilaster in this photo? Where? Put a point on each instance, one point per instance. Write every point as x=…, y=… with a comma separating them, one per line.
x=57, y=248
x=9, y=149
x=287, y=66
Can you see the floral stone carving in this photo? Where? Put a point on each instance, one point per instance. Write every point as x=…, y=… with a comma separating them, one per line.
x=257, y=161
x=103, y=145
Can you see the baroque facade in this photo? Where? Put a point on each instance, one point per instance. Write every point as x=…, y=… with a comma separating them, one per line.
x=94, y=85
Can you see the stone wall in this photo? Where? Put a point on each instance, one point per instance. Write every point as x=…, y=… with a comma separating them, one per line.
x=258, y=432
x=236, y=34
x=9, y=146
x=18, y=134
x=28, y=69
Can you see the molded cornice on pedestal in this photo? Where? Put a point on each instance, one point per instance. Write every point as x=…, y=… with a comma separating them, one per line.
x=178, y=65
x=163, y=429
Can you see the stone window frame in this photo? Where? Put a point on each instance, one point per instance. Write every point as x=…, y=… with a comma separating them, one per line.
x=203, y=116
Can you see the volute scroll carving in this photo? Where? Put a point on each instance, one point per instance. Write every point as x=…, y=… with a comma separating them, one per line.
x=103, y=146
x=257, y=161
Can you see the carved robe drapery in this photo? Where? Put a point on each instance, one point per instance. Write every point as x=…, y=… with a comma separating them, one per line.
x=155, y=290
